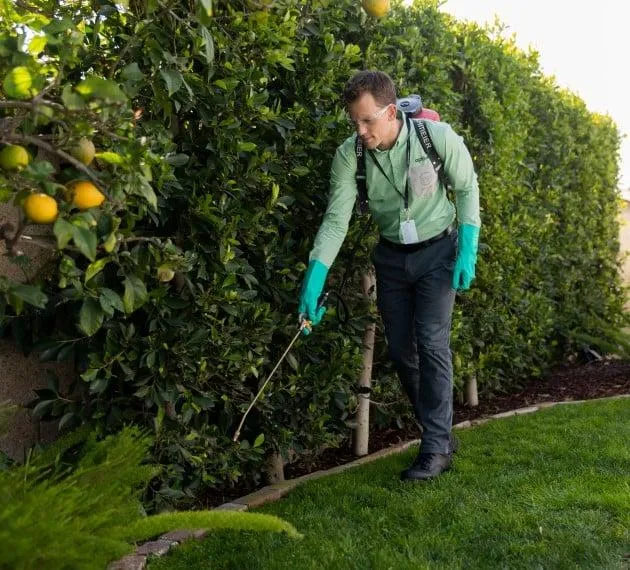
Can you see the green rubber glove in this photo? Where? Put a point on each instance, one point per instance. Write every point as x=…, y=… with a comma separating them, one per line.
x=464, y=272
x=312, y=288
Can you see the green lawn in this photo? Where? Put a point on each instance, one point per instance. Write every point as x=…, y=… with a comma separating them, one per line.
x=545, y=490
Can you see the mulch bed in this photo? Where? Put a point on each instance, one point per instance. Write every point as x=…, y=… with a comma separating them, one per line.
x=598, y=379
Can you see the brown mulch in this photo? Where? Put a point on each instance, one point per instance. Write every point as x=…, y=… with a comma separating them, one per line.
x=598, y=379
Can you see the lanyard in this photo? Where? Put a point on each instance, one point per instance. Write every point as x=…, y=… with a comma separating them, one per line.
x=406, y=194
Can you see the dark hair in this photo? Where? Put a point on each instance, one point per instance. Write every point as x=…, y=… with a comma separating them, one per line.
x=376, y=83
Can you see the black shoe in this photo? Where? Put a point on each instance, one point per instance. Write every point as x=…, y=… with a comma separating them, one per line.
x=427, y=466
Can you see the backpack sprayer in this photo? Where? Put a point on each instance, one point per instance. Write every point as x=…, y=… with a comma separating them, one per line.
x=412, y=108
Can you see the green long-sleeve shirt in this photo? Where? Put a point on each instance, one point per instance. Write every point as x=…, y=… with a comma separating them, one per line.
x=429, y=205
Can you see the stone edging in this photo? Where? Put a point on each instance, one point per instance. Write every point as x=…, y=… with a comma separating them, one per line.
x=160, y=546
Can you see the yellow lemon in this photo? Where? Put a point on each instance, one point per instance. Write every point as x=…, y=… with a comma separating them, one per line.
x=84, y=151
x=17, y=83
x=165, y=273
x=40, y=208
x=376, y=8
x=13, y=157
x=84, y=195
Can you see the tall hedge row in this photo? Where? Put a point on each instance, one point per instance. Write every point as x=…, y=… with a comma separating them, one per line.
x=240, y=111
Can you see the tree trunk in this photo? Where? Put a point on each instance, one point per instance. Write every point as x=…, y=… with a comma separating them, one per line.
x=470, y=388
x=274, y=468
x=362, y=431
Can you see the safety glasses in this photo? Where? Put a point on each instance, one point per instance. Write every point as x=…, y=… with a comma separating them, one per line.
x=367, y=121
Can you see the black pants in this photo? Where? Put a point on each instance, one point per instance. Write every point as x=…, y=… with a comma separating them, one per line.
x=415, y=298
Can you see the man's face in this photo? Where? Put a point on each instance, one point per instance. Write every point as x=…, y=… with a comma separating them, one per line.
x=373, y=122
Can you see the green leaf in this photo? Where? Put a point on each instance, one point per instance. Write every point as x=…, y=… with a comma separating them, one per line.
x=47, y=351
x=91, y=316
x=207, y=6
x=173, y=80
x=102, y=89
x=72, y=100
x=98, y=386
x=67, y=419
x=208, y=43
x=177, y=159
x=29, y=294
x=135, y=294
x=95, y=268
x=246, y=146
x=90, y=374
x=37, y=44
x=132, y=72
x=85, y=240
x=40, y=170
x=63, y=232
x=15, y=302
x=300, y=171
x=42, y=408
x=145, y=190
x=293, y=363
x=5, y=194
x=58, y=25
x=159, y=418
x=110, y=300
x=111, y=157
x=259, y=440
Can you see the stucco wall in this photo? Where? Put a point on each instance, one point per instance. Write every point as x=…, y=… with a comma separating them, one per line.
x=20, y=374
x=624, y=237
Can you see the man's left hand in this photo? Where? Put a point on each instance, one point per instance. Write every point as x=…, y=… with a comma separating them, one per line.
x=464, y=272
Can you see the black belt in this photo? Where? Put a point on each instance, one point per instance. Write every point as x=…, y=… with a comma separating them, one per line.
x=411, y=247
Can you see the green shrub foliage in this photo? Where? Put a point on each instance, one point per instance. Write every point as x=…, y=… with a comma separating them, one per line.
x=55, y=516
x=215, y=125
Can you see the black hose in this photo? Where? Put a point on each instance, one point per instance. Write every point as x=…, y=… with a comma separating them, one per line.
x=342, y=311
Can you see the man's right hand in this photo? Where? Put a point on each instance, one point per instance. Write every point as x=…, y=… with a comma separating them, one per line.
x=312, y=288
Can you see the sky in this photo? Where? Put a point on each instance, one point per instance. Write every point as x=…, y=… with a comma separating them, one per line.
x=585, y=46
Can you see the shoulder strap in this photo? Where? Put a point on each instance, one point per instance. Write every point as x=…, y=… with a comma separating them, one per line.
x=427, y=146
x=360, y=176
x=429, y=149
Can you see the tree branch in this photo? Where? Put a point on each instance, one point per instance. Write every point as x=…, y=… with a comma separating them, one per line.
x=36, y=141
x=54, y=83
x=52, y=243
x=30, y=104
x=11, y=235
x=43, y=244
x=31, y=8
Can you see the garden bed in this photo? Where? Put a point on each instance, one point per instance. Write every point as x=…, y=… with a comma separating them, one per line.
x=597, y=379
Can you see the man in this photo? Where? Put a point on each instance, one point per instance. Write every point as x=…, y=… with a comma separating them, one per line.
x=421, y=258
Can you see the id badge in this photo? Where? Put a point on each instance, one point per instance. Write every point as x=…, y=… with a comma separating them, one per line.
x=409, y=232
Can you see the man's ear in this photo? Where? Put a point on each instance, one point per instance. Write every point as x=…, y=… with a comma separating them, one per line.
x=392, y=111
